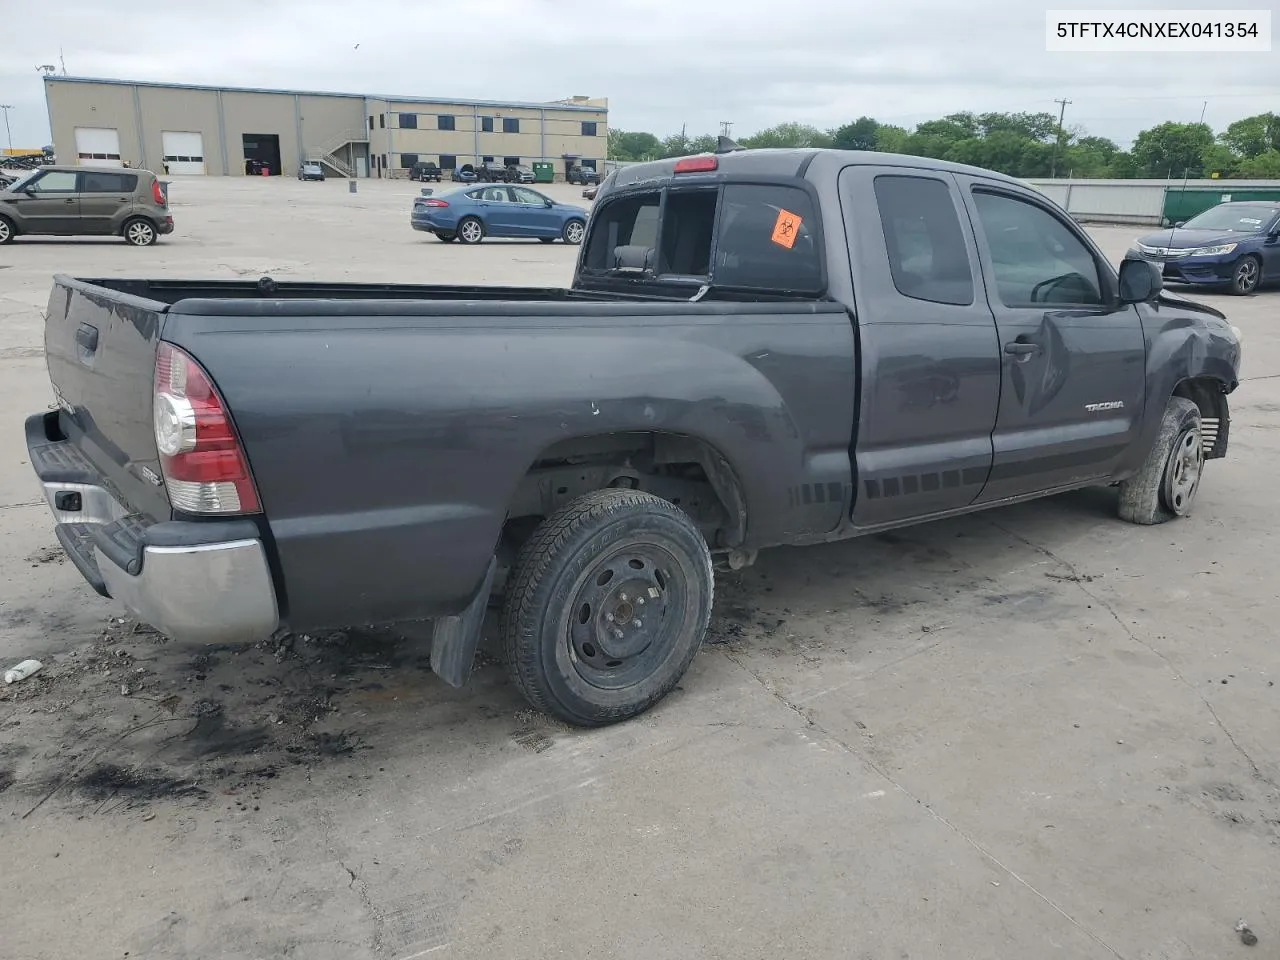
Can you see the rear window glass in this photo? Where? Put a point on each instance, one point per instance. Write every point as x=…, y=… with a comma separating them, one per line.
x=751, y=236
x=927, y=255
x=109, y=183
x=766, y=240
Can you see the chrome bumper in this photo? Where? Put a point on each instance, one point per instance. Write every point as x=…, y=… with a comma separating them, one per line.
x=210, y=593
x=193, y=582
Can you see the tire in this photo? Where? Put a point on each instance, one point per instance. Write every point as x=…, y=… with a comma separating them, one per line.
x=573, y=232
x=140, y=232
x=470, y=230
x=600, y=566
x=1245, y=277
x=1166, y=486
x=7, y=230
x=446, y=237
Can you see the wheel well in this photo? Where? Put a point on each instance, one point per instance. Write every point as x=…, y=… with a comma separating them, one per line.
x=688, y=472
x=1209, y=394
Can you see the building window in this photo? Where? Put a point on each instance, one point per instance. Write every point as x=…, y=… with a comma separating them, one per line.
x=486, y=124
x=448, y=161
x=384, y=161
x=408, y=121
x=382, y=121
x=371, y=121
x=407, y=160
x=486, y=159
x=511, y=161
x=445, y=122
x=589, y=164
x=588, y=128
x=510, y=124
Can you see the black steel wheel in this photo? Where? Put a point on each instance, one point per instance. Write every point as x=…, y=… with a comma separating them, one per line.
x=607, y=606
x=1166, y=485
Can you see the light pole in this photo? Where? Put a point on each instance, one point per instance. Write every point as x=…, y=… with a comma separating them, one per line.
x=6, y=107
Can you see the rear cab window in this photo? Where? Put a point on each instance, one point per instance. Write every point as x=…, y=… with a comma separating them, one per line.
x=733, y=237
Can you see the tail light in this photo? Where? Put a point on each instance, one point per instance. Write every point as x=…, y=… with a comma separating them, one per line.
x=203, y=462
x=157, y=193
x=435, y=203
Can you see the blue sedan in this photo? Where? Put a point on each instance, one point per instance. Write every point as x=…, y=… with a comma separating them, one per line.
x=469, y=214
x=1236, y=245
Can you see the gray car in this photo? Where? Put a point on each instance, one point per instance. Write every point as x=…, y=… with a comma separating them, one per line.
x=86, y=201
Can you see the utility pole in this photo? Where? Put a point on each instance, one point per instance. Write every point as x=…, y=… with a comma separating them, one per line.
x=6, y=107
x=1057, y=143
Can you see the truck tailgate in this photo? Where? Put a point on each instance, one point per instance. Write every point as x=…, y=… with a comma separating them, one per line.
x=101, y=350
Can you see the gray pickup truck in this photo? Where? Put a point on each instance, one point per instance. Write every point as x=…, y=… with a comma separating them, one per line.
x=758, y=348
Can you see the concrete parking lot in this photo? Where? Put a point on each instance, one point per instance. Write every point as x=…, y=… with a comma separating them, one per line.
x=1035, y=732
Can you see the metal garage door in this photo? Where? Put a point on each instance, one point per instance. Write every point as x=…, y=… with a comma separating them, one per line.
x=98, y=146
x=183, y=152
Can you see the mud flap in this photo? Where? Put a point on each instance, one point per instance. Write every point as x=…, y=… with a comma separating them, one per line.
x=454, y=639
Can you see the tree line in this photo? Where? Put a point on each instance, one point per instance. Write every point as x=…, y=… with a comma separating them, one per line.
x=1026, y=145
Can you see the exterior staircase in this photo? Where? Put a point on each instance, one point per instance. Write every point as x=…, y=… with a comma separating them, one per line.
x=327, y=152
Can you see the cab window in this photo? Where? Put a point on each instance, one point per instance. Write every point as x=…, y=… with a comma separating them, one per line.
x=1035, y=257
x=758, y=237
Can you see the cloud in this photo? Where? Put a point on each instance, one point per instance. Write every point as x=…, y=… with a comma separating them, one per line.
x=662, y=63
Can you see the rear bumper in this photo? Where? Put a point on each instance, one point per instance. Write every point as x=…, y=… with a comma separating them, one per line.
x=206, y=582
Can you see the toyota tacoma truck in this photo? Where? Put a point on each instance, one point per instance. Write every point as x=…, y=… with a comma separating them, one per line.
x=758, y=348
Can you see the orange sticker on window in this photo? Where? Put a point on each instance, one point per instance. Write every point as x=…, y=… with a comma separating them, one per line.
x=785, y=228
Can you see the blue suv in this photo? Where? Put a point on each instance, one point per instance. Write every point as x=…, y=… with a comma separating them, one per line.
x=1236, y=245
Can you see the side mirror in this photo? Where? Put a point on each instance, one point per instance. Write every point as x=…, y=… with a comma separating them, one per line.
x=549, y=203
x=1140, y=281
x=1180, y=223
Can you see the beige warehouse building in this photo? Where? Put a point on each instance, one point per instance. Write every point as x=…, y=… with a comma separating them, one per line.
x=185, y=129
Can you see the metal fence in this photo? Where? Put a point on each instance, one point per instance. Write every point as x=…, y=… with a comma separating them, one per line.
x=1139, y=201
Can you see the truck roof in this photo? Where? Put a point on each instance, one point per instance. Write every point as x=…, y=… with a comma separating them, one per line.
x=788, y=162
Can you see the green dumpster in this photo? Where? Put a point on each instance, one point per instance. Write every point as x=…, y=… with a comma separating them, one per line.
x=1181, y=205
x=544, y=172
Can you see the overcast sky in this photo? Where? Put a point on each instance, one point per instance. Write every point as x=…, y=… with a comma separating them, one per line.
x=661, y=63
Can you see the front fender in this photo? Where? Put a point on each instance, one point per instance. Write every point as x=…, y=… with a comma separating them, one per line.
x=1185, y=342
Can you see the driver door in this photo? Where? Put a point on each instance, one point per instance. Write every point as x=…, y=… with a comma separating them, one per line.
x=1073, y=359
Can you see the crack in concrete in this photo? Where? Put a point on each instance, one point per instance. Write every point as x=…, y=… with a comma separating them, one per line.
x=377, y=943
x=940, y=818
x=1080, y=581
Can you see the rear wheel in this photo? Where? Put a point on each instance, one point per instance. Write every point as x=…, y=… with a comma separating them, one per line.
x=470, y=230
x=574, y=231
x=1167, y=484
x=1244, y=280
x=140, y=232
x=607, y=606
x=7, y=231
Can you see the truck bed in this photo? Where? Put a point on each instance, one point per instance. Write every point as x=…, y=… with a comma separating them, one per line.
x=388, y=426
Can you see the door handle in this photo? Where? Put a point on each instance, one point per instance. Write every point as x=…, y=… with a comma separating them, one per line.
x=71, y=201
x=87, y=337
x=1021, y=348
